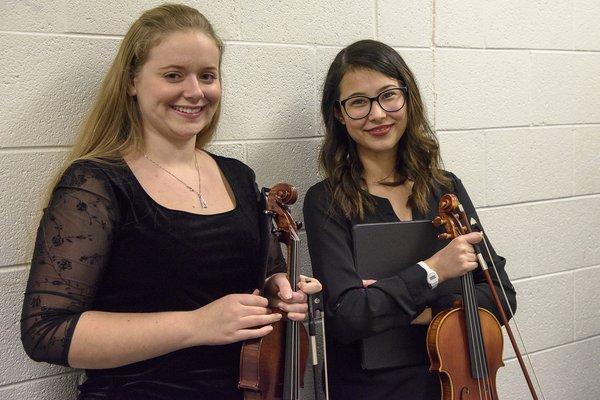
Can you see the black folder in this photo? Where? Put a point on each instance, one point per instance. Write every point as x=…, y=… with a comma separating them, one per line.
x=381, y=250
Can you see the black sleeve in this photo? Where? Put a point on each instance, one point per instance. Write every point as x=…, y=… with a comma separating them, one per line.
x=355, y=312
x=484, y=295
x=71, y=250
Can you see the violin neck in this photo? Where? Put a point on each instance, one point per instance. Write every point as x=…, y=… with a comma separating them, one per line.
x=477, y=354
x=291, y=381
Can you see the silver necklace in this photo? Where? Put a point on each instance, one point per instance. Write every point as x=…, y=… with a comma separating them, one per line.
x=191, y=189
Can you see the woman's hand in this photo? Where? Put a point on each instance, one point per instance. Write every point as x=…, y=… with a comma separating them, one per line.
x=234, y=318
x=457, y=258
x=422, y=319
x=280, y=294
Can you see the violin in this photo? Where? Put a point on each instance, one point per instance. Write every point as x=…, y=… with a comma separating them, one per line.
x=465, y=342
x=272, y=367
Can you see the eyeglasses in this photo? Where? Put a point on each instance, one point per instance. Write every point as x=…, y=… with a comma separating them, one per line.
x=390, y=100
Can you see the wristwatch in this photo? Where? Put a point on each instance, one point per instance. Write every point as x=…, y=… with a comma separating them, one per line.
x=432, y=276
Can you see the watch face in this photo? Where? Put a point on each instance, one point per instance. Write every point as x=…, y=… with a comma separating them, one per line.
x=432, y=278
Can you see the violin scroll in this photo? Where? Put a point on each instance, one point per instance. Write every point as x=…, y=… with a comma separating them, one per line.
x=279, y=198
x=285, y=193
x=452, y=217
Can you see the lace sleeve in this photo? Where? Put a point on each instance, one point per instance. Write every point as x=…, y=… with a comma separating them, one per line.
x=71, y=250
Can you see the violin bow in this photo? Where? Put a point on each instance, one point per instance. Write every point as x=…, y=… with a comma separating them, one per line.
x=316, y=313
x=469, y=223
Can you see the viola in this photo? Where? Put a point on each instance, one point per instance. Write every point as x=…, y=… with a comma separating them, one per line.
x=465, y=342
x=272, y=367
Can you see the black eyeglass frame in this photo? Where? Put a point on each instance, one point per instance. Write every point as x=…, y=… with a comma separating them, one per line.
x=342, y=103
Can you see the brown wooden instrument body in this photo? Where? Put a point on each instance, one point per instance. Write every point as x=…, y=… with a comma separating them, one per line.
x=449, y=354
x=263, y=360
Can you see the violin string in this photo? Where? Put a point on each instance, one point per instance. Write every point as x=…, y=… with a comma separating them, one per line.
x=470, y=300
x=481, y=347
x=475, y=334
x=296, y=324
x=486, y=373
x=295, y=327
x=482, y=356
x=512, y=314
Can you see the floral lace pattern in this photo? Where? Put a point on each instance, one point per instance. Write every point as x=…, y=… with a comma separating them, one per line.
x=72, y=243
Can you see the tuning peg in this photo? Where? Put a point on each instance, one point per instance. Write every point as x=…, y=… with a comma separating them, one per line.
x=437, y=221
x=444, y=236
x=299, y=225
x=269, y=213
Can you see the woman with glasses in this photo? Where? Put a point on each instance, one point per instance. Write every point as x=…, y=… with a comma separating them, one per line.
x=382, y=163
x=150, y=251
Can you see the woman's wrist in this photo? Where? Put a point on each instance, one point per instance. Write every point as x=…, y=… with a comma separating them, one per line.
x=192, y=331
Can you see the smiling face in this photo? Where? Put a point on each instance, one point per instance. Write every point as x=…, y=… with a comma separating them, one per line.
x=379, y=132
x=178, y=88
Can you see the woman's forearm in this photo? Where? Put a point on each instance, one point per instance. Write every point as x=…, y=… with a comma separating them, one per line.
x=109, y=340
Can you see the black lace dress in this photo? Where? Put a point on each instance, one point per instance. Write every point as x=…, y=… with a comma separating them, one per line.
x=104, y=244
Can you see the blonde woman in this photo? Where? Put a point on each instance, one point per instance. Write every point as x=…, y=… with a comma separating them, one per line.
x=150, y=251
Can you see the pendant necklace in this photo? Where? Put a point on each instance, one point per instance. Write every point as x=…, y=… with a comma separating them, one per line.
x=191, y=189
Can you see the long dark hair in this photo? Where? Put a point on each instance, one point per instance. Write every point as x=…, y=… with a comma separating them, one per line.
x=418, y=157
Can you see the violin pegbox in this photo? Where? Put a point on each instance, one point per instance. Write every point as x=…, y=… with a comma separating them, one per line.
x=279, y=197
x=450, y=217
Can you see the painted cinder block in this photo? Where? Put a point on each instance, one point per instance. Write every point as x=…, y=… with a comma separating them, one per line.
x=587, y=221
x=544, y=312
x=420, y=62
x=25, y=182
x=268, y=92
x=587, y=299
x=564, y=372
x=311, y=21
x=565, y=87
x=62, y=387
x=32, y=16
x=537, y=239
x=231, y=150
x=481, y=88
x=48, y=84
x=463, y=153
x=293, y=162
x=323, y=59
x=114, y=18
x=504, y=24
x=586, y=163
x=544, y=24
x=510, y=381
x=526, y=164
x=460, y=23
x=407, y=24
x=586, y=31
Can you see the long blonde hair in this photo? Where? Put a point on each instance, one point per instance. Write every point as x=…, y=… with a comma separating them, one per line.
x=113, y=126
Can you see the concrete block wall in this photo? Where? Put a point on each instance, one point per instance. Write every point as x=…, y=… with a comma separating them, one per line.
x=512, y=89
